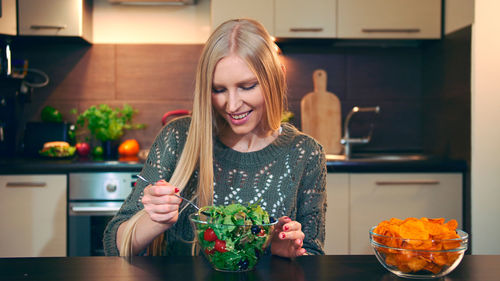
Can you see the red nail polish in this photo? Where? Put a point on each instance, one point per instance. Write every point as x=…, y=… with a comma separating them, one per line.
x=176, y=190
x=285, y=227
x=283, y=235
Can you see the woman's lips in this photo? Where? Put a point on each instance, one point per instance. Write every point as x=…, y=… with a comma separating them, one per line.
x=240, y=118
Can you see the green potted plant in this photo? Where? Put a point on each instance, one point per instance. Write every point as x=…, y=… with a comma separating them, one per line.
x=108, y=124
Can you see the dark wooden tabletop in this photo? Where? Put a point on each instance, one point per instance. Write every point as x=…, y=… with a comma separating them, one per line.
x=352, y=268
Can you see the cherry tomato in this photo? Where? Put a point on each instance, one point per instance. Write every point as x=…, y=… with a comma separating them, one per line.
x=209, y=252
x=209, y=235
x=220, y=246
x=261, y=233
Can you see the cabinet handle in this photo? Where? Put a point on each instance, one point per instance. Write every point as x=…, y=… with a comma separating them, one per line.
x=390, y=30
x=26, y=184
x=305, y=29
x=38, y=26
x=408, y=182
x=95, y=209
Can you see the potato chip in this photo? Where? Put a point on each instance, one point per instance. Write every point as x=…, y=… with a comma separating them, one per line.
x=424, y=234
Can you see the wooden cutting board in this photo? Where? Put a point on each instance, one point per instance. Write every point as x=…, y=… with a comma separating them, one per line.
x=320, y=115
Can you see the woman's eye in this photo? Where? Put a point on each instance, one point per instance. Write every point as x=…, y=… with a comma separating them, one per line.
x=217, y=91
x=249, y=87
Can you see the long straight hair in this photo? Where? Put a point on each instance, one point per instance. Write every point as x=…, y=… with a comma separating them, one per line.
x=250, y=41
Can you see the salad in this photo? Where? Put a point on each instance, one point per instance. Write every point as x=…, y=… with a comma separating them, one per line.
x=233, y=237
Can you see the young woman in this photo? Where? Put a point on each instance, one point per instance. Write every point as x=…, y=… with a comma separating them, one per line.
x=233, y=149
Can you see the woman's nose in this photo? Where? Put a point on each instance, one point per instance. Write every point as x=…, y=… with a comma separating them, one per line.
x=233, y=101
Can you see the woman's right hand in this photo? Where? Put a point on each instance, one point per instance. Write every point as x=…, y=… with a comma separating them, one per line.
x=160, y=202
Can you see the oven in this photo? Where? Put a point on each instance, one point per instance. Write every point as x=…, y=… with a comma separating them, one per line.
x=94, y=198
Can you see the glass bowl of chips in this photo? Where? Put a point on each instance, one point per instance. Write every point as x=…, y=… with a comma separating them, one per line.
x=419, y=248
x=233, y=238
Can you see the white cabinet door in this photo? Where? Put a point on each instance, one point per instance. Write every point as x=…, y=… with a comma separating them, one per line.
x=337, y=217
x=260, y=10
x=306, y=19
x=56, y=18
x=378, y=197
x=33, y=215
x=8, y=17
x=457, y=14
x=389, y=19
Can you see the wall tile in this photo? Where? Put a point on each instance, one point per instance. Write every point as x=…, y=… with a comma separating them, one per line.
x=300, y=68
x=392, y=73
x=156, y=72
x=396, y=128
x=92, y=77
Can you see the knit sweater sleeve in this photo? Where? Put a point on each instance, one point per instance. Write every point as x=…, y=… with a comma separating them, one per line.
x=160, y=164
x=311, y=201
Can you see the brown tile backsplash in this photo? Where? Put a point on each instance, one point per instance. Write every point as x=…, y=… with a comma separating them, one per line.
x=157, y=78
x=156, y=72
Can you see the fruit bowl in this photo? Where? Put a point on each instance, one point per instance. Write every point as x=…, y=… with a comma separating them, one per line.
x=419, y=259
x=230, y=247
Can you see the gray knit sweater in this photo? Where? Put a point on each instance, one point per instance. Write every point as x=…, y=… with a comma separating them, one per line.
x=287, y=177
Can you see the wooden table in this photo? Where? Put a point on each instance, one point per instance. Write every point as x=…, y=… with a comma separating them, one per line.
x=352, y=268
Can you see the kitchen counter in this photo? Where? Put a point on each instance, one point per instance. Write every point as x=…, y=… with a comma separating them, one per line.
x=392, y=163
x=62, y=166
x=21, y=165
x=334, y=267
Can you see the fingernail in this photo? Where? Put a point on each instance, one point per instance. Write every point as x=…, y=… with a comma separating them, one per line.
x=176, y=190
x=283, y=235
x=285, y=227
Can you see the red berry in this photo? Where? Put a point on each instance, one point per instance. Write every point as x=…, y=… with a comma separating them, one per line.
x=209, y=235
x=220, y=246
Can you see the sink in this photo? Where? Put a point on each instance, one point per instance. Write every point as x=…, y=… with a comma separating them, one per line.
x=378, y=157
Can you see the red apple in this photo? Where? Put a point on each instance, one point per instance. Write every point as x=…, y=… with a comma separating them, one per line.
x=83, y=149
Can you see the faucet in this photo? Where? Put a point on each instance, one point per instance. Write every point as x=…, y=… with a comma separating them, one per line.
x=347, y=141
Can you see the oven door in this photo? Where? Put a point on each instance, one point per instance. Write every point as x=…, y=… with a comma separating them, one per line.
x=86, y=224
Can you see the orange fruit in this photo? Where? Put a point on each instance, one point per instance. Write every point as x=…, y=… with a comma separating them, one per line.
x=129, y=148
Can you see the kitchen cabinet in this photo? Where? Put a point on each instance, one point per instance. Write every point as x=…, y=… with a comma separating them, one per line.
x=349, y=19
x=260, y=10
x=358, y=201
x=458, y=14
x=71, y=18
x=8, y=19
x=305, y=19
x=33, y=215
x=337, y=214
x=389, y=19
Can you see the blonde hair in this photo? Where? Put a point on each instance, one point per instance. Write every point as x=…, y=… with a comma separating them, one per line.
x=251, y=42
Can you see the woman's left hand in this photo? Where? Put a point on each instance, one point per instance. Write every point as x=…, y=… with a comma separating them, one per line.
x=288, y=239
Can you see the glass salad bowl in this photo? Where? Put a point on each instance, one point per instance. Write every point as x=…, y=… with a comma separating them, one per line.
x=230, y=246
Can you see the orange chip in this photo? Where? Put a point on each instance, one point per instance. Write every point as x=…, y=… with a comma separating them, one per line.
x=413, y=229
x=417, y=264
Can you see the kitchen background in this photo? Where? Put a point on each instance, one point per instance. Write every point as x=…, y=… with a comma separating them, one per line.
x=423, y=87
x=415, y=83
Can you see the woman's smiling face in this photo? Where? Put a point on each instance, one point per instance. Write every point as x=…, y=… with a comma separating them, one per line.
x=237, y=96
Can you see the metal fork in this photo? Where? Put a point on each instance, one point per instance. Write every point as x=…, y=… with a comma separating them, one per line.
x=192, y=204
